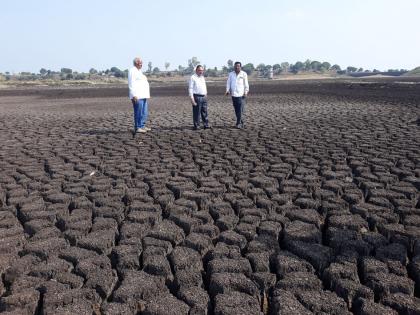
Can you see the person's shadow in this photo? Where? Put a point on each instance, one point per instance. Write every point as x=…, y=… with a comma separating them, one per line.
x=186, y=128
x=93, y=132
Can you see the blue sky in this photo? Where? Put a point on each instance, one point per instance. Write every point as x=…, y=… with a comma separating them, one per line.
x=78, y=34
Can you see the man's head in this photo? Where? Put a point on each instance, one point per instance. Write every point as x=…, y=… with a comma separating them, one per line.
x=137, y=62
x=237, y=66
x=199, y=70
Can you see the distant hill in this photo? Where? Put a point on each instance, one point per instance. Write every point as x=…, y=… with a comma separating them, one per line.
x=414, y=72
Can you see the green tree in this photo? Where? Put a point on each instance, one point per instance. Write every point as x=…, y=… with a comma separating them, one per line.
x=325, y=66
x=149, y=67
x=260, y=68
x=307, y=65
x=285, y=66
x=192, y=63
x=335, y=67
x=80, y=76
x=315, y=65
x=66, y=71
x=298, y=66
x=156, y=70
x=248, y=68
x=167, y=64
x=93, y=71
x=351, y=69
x=230, y=64
x=43, y=71
x=211, y=72
x=277, y=68
x=117, y=72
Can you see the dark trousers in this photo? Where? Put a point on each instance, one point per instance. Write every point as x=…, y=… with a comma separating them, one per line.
x=239, y=106
x=200, y=109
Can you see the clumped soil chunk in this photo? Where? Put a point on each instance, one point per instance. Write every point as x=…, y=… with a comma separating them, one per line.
x=183, y=258
x=98, y=274
x=384, y=284
x=229, y=266
x=299, y=281
x=231, y=282
x=99, y=241
x=25, y=302
x=126, y=257
x=168, y=231
x=199, y=242
x=323, y=302
x=233, y=238
x=117, y=308
x=394, y=251
x=166, y=303
x=403, y=304
x=318, y=255
x=285, y=302
x=82, y=301
x=138, y=286
x=286, y=262
x=368, y=307
x=157, y=265
x=196, y=297
x=45, y=248
x=301, y=231
x=236, y=303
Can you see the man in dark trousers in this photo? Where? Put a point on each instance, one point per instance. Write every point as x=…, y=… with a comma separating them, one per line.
x=237, y=86
x=197, y=91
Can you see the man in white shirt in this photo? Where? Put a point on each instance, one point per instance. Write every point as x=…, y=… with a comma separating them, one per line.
x=139, y=92
x=197, y=91
x=237, y=86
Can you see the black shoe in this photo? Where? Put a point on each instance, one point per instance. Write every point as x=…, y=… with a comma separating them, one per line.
x=207, y=127
x=196, y=128
x=238, y=126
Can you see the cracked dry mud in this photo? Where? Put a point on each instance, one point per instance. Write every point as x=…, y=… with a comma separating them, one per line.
x=312, y=209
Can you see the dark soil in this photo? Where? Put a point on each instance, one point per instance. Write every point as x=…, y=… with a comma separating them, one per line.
x=313, y=208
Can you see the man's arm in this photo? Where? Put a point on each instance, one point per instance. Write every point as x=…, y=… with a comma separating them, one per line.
x=191, y=91
x=246, y=85
x=228, y=85
x=130, y=84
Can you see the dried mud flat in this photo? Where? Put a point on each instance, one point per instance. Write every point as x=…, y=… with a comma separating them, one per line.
x=312, y=209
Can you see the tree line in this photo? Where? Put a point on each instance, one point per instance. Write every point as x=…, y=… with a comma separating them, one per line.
x=260, y=70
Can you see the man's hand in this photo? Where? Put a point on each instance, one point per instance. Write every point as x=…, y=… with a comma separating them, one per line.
x=135, y=99
x=193, y=102
x=227, y=93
